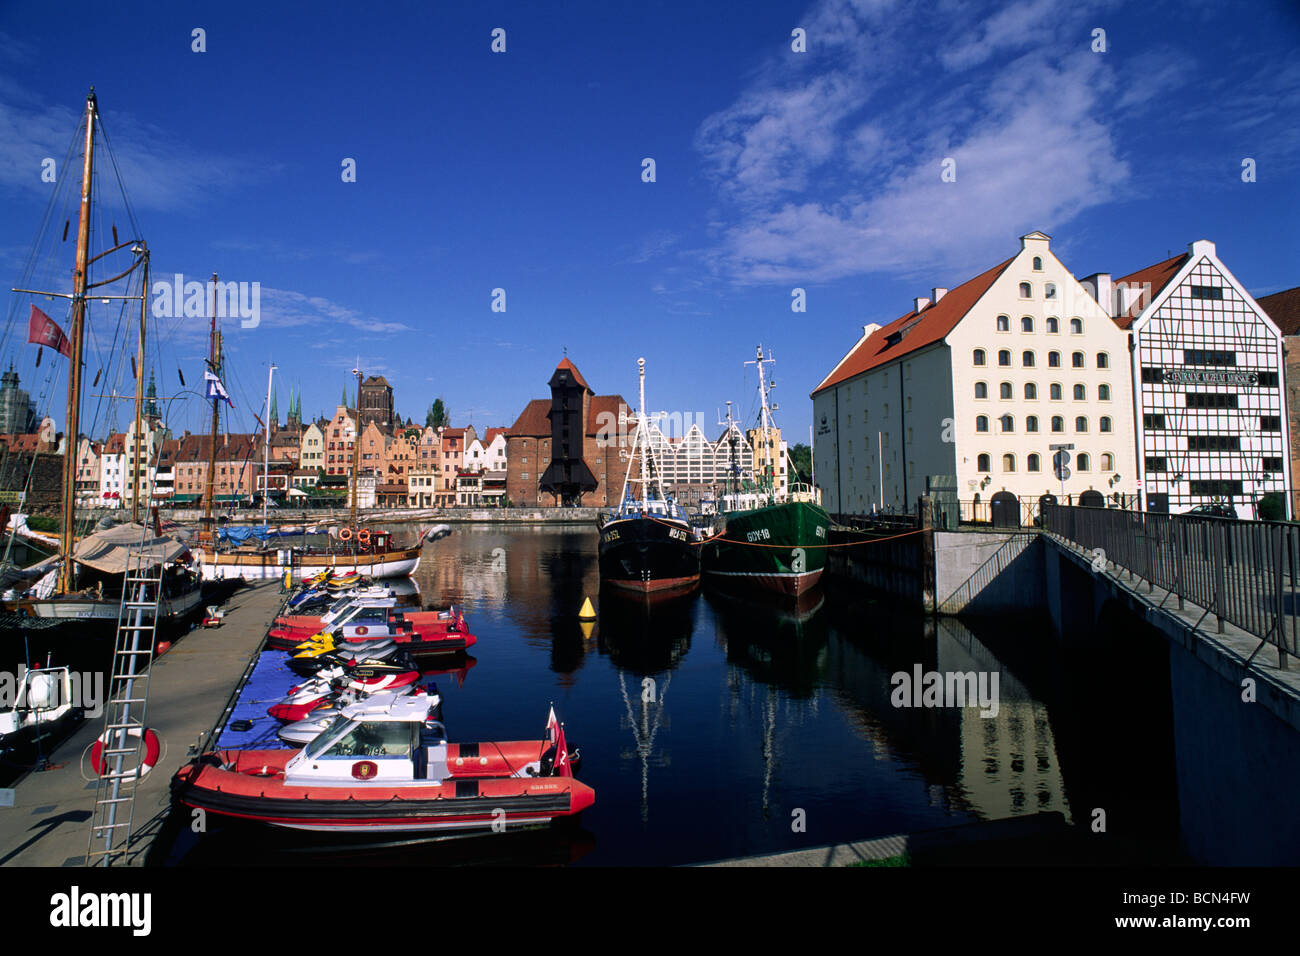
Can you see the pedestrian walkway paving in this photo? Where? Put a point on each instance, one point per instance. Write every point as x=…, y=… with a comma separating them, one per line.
x=48, y=824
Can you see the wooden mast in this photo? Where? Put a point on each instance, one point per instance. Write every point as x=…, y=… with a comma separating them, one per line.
x=139, y=392
x=79, y=282
x=356, y=447
x=206, y=532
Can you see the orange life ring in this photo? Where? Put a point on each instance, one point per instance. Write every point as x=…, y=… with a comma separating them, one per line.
x=364, y=536
x=152, y=749
x=345, y=534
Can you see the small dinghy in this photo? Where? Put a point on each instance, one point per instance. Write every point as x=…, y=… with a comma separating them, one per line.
x=386, y=766
x=361, y=681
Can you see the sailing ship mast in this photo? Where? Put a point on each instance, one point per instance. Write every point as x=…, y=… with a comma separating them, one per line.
x=79, y=282
x=206, y=531
x=266, y=468
x=356, y=446
x=139, y=387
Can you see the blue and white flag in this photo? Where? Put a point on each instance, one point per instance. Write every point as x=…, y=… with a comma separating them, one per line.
x=215, y=389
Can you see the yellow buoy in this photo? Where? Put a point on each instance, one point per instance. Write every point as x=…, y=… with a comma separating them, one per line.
x=588, y=613
x=587, y=628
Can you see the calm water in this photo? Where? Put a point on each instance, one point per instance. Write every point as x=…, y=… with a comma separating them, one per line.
x=710, y=724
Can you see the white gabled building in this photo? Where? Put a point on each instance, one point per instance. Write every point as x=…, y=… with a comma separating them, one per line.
x=978, y=382
x=1208, y=370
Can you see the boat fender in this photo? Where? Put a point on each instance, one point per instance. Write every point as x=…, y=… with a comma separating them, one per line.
x=240, y=726
x=152, y=749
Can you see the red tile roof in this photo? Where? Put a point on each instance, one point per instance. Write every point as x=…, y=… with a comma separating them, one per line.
x=919, y=329
x=1157, y=276
x=535, y=422
x=577, y=376
x=1284, y=309
x=490, y=435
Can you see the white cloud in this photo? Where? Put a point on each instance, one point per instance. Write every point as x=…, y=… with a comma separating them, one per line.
x=831, y=167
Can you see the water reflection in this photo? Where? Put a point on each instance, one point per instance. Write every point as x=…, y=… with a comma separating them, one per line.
x=729, y=712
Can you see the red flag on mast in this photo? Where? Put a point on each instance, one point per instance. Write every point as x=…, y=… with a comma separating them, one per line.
x=42, y=330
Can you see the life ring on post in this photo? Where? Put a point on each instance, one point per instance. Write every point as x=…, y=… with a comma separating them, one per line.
x=345, y=534
x=152, y=749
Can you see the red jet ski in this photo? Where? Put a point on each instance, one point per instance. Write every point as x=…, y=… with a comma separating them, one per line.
x=360, y=681
x=387, y=767
x=383, y=624
x=286, y=627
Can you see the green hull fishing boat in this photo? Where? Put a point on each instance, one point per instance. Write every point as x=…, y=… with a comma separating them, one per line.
x=768, y=533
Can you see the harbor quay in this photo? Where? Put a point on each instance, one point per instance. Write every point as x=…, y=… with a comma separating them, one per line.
x=48, y=822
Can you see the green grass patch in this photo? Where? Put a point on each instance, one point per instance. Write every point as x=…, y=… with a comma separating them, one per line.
x=902, y=859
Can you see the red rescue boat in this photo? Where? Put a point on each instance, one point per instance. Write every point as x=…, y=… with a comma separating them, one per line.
x=388, y=767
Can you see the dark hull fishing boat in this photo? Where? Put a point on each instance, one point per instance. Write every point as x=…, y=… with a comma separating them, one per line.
x=648, y=545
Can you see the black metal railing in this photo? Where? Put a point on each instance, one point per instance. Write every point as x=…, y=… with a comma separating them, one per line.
x=1242, y=572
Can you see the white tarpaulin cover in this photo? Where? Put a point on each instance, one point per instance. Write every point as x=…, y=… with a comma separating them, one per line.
x=108, y=551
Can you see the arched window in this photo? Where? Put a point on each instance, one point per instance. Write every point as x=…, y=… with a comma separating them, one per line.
x=1026, y=290
x=1107, y=461
x=1058, y=423
x=1049, y=291
x=1103, y=393
x=1026, y=323
x=981, y=390
x=1004, y=391
x=1004, y=323
x=1038, y=263
x=1076, y=326
x=981, y=423
x=1103, y=360
x=1053, y=325
x=1054, y=391
x=1077, y=360
x=1004, y=357
x=1033, y=463
x=1008, y=462
x=982, y=463
x=977, y=357
x=1027, y=359
x=1080, y=393
x=1031, y=423
x=1081, y=423
x=1053, y=359
x=1007, y=423
x=1083, y=462
x=1031, y=391
x=1104, y=423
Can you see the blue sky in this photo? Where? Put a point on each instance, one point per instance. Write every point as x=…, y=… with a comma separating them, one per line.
x=522, y=171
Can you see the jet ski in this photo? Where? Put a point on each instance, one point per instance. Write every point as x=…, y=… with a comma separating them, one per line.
x=386, y=766
x=361, y=680
x=306, y=730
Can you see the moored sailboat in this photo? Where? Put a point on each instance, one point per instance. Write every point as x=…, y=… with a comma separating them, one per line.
x=87, y=582
x=355, y=550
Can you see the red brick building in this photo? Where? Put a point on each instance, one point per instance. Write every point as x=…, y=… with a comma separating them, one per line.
x=530, y=443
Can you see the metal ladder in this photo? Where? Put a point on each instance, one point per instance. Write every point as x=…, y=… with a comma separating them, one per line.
x=124, y=713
